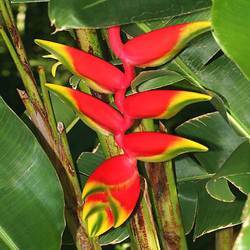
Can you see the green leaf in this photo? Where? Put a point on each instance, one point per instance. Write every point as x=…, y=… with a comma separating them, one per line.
x=63, y=112
x=213, y=214
x=220, y=190
x=231, y=21
x=87, y=162
x=243, y=240
x=222, y=142
x=213, y=131
x=233, y=87
x=154, y=79
x=188, y=173
x=205, y=212
x=31, y=198
x=80, y=14
x=236, y=169
x=115, y=235
x=188, y=199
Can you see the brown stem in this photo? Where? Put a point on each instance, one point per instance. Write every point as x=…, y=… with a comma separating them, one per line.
x=166, y=204
x=165, y=201
x=142, y=223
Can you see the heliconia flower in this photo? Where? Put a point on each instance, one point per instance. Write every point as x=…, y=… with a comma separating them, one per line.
x=97, y=214
x=114, y=186
x=156, y=47
x=160, y=104
x=158, y=147
x=99, y=74
x=96, y=114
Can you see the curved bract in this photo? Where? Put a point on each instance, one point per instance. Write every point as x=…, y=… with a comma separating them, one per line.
x=111, y=190
x=160, y=104
x=97, y=214
x=159, y=46
x=98, y=74
x=158, y=147
x=96, y=114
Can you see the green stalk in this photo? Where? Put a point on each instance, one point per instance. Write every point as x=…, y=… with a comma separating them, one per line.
x=47, y=102
x=18, y=54
x=89, y=41
x=224, y=239
x=165, y=202
x=142, y=224
x=64, y=151
x=166, y=205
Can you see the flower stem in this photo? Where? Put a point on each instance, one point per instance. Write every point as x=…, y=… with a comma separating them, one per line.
x=165, y=201
x=89, y=41
x=142, y=223
x=224, y=239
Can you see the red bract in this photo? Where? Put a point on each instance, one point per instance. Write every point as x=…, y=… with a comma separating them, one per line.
x=158, y=147
x=160, y=103
x=114, y=185
x=158, y=46
x=95, y=113
x=99, y=75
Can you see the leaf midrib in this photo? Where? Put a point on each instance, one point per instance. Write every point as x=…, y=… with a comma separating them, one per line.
x=7, y=240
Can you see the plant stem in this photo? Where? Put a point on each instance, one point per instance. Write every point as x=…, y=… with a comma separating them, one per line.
x=224, y=239
x=89, y=42
x=95, y=243
x=18, y=54
x=67, y=160
x=165, y=202
x=47, y=103
x=143, y=225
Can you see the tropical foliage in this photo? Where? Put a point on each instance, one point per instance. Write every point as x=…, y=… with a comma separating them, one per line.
x=165, y=86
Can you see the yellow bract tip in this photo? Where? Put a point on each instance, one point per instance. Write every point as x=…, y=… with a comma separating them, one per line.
x=192, y=146
x=54, y=68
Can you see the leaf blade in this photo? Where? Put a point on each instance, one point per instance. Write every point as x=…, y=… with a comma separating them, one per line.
x=28, y=178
